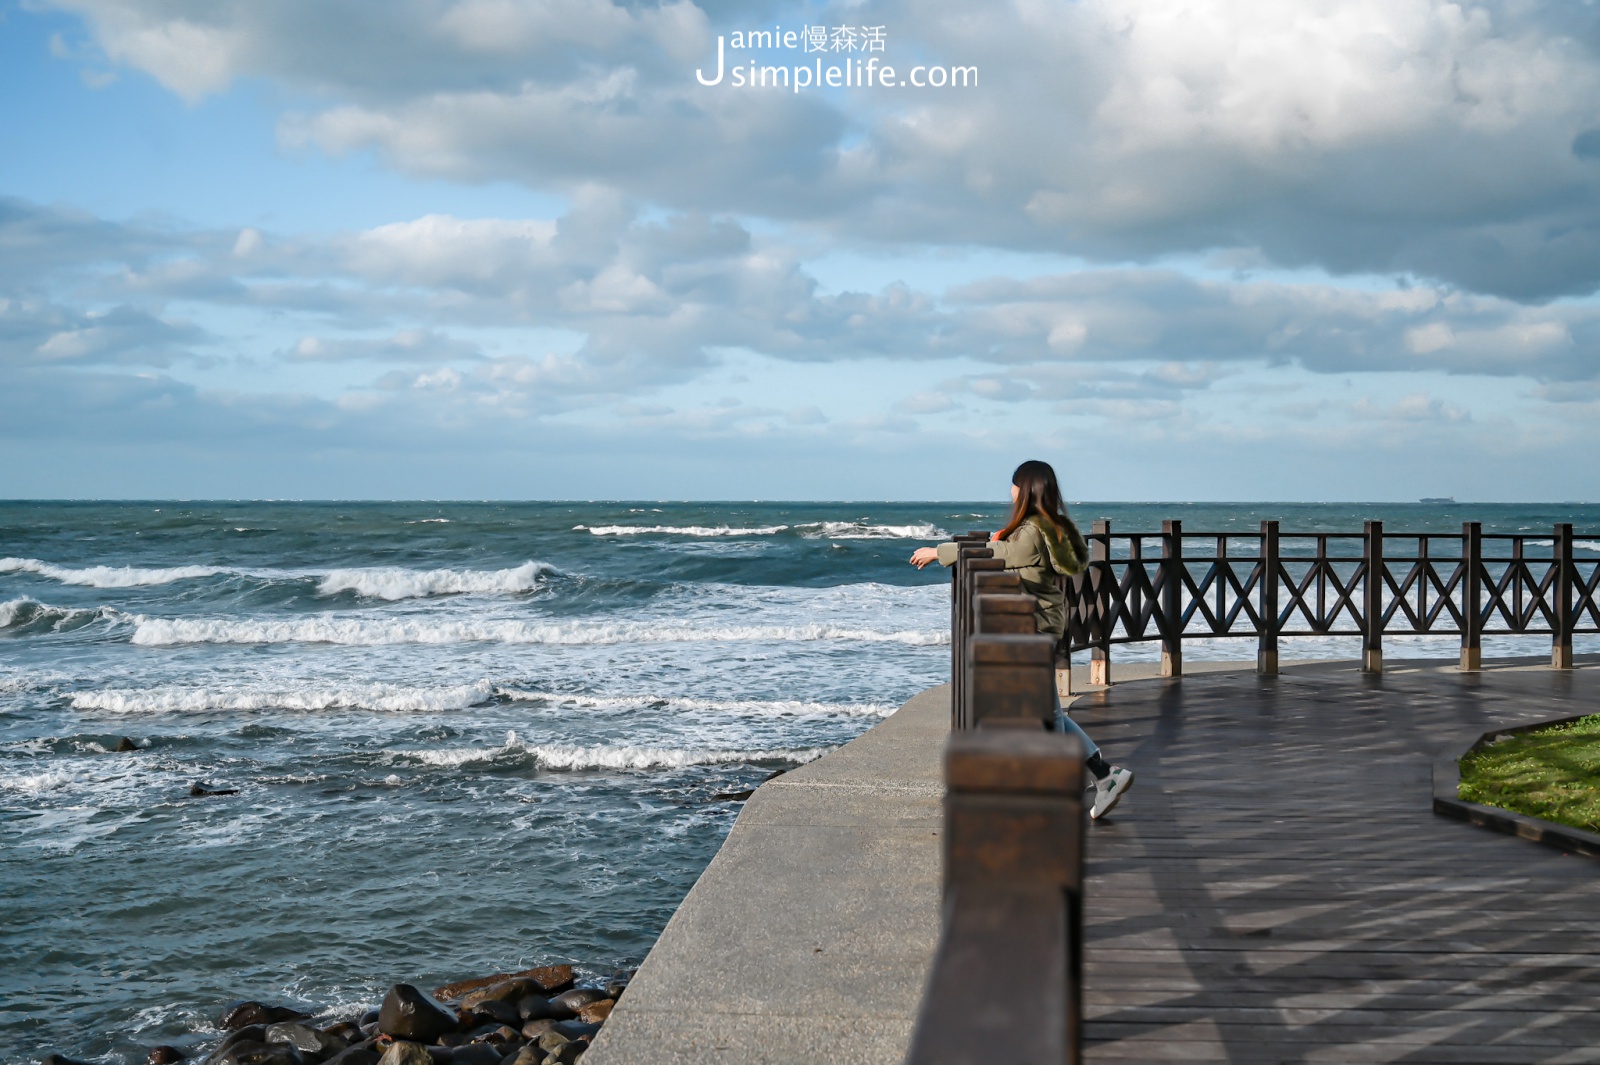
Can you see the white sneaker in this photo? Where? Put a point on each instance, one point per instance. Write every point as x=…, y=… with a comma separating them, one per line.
x=1108, y=791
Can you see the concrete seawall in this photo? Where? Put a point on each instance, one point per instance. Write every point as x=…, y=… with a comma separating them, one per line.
x=808, y=936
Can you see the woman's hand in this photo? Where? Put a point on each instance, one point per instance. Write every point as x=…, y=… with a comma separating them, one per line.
x=924, y=555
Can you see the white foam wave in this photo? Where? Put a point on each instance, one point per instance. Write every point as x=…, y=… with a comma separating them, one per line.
x=748, y=707
x=396, y=582
x=570, y=756
x=36, y=783
x=381, y=697
x=857, y=530
x=20, y=612
x=430, y=521
x=680, y=530
x=109, y=576
x=363, y=632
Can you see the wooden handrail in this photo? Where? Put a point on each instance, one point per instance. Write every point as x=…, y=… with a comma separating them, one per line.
x=1005, y=983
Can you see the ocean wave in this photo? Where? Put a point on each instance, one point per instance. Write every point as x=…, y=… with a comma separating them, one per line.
x=680, y=530
x=109, y=576
x=748, y=707
x=380, y=697
x=21, y=615
x=572, y=756
x=396, y=582
x=362, y=632
x=860, y=530
x=36, y=783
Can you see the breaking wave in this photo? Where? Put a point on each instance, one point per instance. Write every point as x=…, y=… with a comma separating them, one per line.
x=571, y=756
x=23, y=615
x=109, y=576
x=680, y=530
x=856, y=530
x=814, y=530
x=383, y=697
x=362, y=632
x=750, y=707
x=396, y=582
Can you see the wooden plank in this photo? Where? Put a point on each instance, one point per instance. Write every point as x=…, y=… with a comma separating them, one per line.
x=1276, y=888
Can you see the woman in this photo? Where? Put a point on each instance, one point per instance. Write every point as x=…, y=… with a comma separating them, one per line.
x=1038, y=542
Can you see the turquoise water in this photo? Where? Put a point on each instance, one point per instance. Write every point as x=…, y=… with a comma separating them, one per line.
x=465, y=737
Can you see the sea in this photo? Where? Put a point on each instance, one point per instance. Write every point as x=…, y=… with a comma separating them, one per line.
x=456, y=738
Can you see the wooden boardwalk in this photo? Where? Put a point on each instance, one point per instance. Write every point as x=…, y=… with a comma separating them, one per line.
x=1276, y=887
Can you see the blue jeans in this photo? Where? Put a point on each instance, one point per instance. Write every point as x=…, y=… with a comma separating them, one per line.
x=1071, y=728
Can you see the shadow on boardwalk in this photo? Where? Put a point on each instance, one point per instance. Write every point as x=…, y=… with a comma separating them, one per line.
x=1276, y=887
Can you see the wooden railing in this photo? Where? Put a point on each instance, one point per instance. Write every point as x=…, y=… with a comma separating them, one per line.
x=1005, y=984
x=1174, y=585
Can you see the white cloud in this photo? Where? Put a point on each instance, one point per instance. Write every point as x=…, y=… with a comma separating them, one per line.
x=1419, y=136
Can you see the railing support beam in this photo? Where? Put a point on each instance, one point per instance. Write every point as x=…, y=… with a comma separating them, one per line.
x=1471, y=596
x=1100, y=653
x=1561, y=599
x=1172, y=598
x=1267, y=643
x=1372, y=599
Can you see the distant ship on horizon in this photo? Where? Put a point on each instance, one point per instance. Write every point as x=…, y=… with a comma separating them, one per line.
x=1437, y=499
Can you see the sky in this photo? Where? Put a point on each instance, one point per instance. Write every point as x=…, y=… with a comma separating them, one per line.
x=1181, y=249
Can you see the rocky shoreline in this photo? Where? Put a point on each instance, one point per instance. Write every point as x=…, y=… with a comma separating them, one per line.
x=533, y=1017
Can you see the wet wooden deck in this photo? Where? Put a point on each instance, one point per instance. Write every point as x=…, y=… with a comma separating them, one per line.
x=1276, y=887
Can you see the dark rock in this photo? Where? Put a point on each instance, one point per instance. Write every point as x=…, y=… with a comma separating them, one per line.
x=500, y=1033
x=566, y=1054
x=578, y=998
x=253, y=1033
x=251, y=1052
x=244, y=1014
x=349, y=1031
x=165, y=1055
x=508, y=991
x=360, y=1054
x=406, y=1053
x=476, y=1054
x=124, y=745
x=550, y=978
x=551, y=1039
x=578, y=1029
x=369, y=1017
x=408, y=1014
x=597, y=1012
x=370, y=1030
x=454, y=1039
x=305, y=1038
x=499, y=1011
x=200, y=789
x=535, y=1008
x=532, y=1054
x=534, y=1029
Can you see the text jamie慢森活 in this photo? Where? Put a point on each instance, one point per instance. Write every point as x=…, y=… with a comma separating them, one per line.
x=847, y=71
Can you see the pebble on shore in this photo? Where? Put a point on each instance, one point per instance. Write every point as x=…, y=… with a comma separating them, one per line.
x=533, y=1017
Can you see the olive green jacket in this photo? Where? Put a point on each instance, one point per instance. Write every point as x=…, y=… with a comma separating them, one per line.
x=1036, y=555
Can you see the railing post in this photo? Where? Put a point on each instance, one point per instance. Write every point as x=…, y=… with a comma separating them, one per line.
x=1561, y=599
x=969, y=549
x=1267, y=644
x=1013, y=904
x=1471, y=596
x=1011, y=611
x=1100, y=653
x=1010, y=679
x=1172, y=598
x=1372, y=600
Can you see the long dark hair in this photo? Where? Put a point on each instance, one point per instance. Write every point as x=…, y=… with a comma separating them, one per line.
x=1038, y=495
